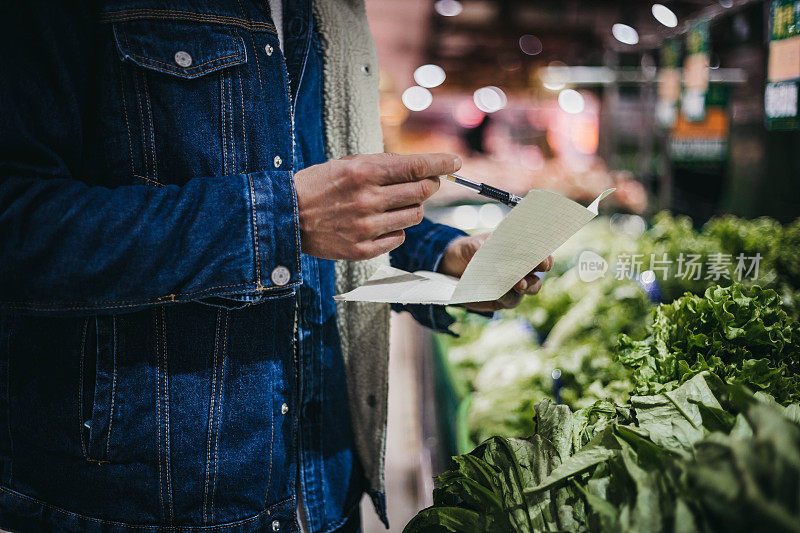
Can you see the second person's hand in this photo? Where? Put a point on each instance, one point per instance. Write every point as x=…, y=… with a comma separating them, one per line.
x=459, y=254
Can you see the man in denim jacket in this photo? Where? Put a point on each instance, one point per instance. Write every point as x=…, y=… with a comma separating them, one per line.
x=169, y=220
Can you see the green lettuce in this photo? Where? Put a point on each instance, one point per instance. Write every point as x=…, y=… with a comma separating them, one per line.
x=743, y=335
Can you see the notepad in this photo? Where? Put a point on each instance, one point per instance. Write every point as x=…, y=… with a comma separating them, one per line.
x=534, y=229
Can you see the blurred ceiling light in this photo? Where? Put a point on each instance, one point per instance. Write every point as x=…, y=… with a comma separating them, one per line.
x=417, y=98
x=554, y=85
x=554, y=77
x=625, y=34
x=490, y=99
x=429, y=76
x=530, y=44
x=664, y=15
x=467, y=115
x=448, y=8
x=571, y=101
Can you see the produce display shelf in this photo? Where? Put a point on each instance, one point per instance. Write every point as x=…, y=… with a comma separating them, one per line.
x=453, y=400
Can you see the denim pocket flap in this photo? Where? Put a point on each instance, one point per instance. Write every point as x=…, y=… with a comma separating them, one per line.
x=186, y=50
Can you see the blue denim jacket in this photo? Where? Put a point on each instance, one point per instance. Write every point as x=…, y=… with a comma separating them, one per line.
x=149, y=274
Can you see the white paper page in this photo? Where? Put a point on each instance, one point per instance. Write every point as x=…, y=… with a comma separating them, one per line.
x=539, y=224
x=392, y=285
x=534, y=229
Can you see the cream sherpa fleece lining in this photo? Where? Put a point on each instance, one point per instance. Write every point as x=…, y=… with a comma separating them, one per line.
x=352, y=126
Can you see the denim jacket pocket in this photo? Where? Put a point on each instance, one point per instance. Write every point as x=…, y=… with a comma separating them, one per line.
x=181, y=98
x=98, y=376
x=185, y=50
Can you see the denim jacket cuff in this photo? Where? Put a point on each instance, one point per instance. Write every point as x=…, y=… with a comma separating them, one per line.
x=275, y=231
x=428, y=250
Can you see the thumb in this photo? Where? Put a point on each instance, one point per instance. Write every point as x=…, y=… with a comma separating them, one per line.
x=474, y=243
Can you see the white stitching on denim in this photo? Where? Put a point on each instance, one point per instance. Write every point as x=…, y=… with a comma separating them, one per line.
x=219, y=410
x=157, y=333
x=172, y=298
x=255, y=231
x=253, y=518
x=255, y=51
x=152, y=133
x=193, y=72
x=227, y=79
x=244, y=131
x=271, y=442
x=80, y=389
x=149, y=181
x=138, y=91
x=113, y=383
x=211, y=415
x=125, y=111
x=133, y=14
x=166, y=417
x=223, y=123
x=7, y=358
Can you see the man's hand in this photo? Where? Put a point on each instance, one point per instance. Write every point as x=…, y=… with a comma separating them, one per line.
x=459, y=253
x=357, y=207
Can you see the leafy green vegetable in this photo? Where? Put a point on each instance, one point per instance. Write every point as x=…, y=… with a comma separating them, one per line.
x=635, y=472
x=692, y=450
x=486, y=489
x=741, y=334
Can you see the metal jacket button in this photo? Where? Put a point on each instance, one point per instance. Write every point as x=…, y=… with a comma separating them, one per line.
x=284, y=409
x=276, y=526
x=183, y=59
x=268, y=49
x=280, y=275
x=277, y=161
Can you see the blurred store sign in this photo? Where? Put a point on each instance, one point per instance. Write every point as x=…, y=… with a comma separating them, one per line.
x=696, y=71
x=783, y=70
x=669, y=83
x=701, y=142
x=561, y=76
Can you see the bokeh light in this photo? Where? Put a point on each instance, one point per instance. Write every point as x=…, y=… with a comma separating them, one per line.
x=571, y=101
x=664, y=15
x=530, y=44
x=448, y=8
x=465, y=217
x=490, y=215
x=417, y=98
x=429, y=76
x=625, y=34
x=490, y=99
x=467, y=115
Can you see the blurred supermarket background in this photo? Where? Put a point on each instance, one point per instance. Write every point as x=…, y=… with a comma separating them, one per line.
x=688, y=106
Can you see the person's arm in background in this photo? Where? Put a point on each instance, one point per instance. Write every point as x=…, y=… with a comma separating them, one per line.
x=424, y=249
x=69, y=248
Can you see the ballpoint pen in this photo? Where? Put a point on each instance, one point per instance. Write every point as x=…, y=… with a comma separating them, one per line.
x=484, y=190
